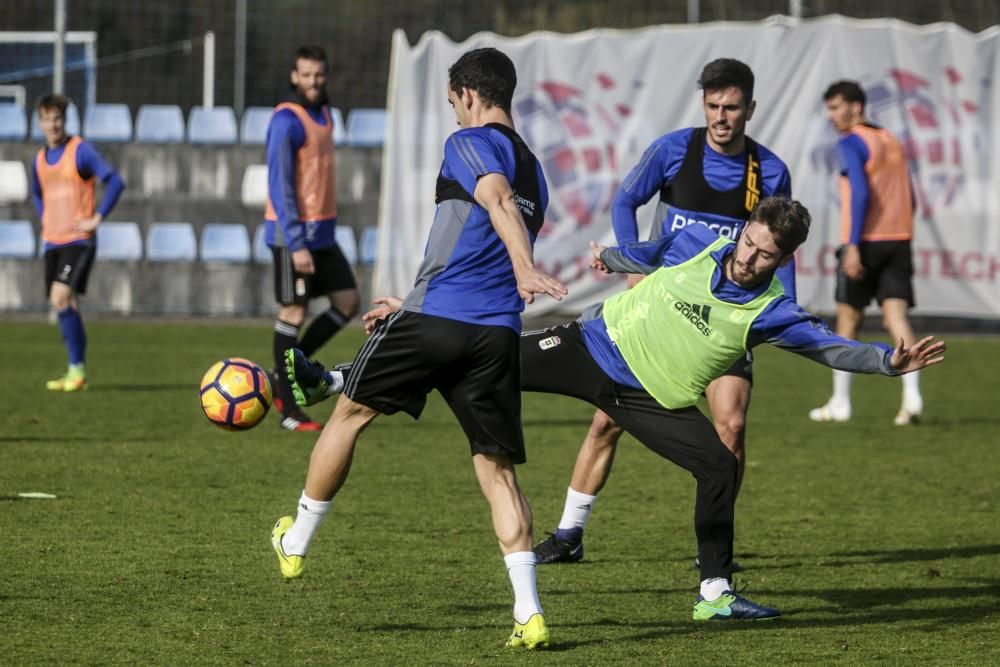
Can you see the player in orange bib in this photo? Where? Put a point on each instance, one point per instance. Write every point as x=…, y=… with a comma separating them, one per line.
x=300, y=225
x=876, y=229
x=63, y=185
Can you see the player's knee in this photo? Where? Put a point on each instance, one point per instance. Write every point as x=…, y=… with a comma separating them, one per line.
x=60, y=300
x=731, y=429
x=292, y=314
x=604, y=429
x=348, y=304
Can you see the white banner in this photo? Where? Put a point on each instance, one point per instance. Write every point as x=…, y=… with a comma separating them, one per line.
x=588, y=104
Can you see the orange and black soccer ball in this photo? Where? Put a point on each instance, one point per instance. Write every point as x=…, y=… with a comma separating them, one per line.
x=235, y=394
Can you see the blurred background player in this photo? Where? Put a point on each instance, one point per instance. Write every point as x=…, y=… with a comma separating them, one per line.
x=457, y=331
x=876, y=230
x=63, y=186
x=714, y=176
x=300, y=225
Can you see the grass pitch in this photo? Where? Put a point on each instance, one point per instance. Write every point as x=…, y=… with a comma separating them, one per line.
x=879, y=543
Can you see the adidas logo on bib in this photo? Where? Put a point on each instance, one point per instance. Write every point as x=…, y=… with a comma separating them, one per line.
x=696, y=314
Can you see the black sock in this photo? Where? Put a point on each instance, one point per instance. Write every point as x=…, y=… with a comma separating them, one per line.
x=323, y=328
x=285, y=337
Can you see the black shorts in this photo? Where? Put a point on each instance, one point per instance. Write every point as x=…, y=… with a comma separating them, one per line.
x=475, y=367
x=556, y=361
x=888, y=274
x=70, y=265
x=333, y=273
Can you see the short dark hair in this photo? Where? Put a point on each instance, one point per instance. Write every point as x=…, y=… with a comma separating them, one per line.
x=487, y=71
x=787, y=219
x=53, y=101
x=851, y=91
x=309, y=52
x=725, y=73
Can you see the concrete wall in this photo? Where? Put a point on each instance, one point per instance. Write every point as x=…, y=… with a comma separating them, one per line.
x=181, y=183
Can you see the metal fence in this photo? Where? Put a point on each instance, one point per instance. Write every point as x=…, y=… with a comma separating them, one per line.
x=153, y=52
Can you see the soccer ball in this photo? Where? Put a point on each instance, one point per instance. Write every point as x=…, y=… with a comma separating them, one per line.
x=235, y=394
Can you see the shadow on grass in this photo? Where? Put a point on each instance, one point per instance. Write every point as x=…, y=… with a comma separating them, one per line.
x=855, y=608
x=910, y=555
x=112, y=388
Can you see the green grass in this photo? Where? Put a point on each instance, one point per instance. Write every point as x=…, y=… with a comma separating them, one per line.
x=879, y=543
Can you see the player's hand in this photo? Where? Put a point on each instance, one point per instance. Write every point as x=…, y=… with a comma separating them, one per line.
x=921, y=354
x=531, y=281
x=89, y=224
x=595, y=258
x=387, y=306
x=302, y=260
x=851, y=261
x=634, y=279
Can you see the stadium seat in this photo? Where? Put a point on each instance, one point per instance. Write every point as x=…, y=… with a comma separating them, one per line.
x=212, y=126
x=222, y=242
x=253, y=191
x=366, y=127
x=72, y=123
x=119, y=241
x=369, y=244
x=159, y=123
x=13, y=123
x=107, y=122
x=347, y=243
x=339, y=130
x=17, y=239
x=171, y=242
x=261, y=251
x=253, y=125
x=13, y=182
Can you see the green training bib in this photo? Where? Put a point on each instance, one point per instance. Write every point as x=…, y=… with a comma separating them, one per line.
x=675, y=336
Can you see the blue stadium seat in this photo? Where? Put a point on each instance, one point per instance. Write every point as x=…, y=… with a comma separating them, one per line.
x=345, y=239
x=119, y=241
x=72, y=123
x=13, y=182
x=339, y=129
x=369, y=244
x=366, y=127
x=171, y=242
x=225, y=243
x=253, y=125
x=17, y=239
x=261, y=251
x=159, y=123
x=13, y=123
x=107, y=122
x=212, y=126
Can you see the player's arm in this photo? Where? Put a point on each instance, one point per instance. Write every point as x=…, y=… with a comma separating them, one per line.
x=90, y=162
x=645, y=179
x=285, y=136
x=494, y=194
x=853, y=154
x=786, y=325
x=36, y=191
x=642, y=257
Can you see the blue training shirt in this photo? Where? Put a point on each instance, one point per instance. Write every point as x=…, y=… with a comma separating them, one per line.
x=783, y=323
x=466, y=273
x=285, y=136
x=658, y=167
x=89, y=162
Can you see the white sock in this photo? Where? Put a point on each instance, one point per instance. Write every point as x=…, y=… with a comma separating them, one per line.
x=521, y=570
x=336, y=380
x=577, y=509
x=310, y=515
x=841, y=389
x=711, y=589
x=912, y=400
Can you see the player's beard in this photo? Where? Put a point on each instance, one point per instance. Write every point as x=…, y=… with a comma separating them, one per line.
x=321, y=101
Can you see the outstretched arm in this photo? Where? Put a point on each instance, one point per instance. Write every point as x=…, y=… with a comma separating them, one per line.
x=786, y=325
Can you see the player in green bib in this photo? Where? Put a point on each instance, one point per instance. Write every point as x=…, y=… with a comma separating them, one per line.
x=644, y=357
